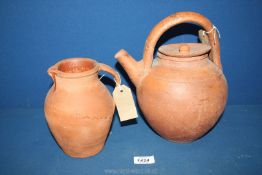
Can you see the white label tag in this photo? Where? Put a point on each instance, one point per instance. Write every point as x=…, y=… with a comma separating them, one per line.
x=124, y=103
x=144, y=159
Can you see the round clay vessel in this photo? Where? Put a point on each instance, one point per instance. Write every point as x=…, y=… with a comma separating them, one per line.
x=184, y=91
x=78, y=107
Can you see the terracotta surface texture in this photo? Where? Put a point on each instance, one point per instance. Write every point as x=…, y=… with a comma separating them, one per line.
x=78, y=107
x=183, y=92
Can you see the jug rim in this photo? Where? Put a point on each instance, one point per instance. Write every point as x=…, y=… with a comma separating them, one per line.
x=75, y=67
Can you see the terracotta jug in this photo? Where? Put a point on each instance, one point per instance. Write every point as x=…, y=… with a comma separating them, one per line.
x=184, y=92
x=78, y=107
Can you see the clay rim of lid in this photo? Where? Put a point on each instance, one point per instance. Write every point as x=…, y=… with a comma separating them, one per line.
x=184, y=50
x=88, y=66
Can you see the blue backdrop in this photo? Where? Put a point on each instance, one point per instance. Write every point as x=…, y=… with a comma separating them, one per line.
x=35, y=34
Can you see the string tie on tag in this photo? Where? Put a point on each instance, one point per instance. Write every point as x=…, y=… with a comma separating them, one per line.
x=101, y=76
x=118, y=84
x=215, y=33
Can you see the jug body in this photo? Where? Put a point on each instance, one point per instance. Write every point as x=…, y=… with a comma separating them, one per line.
x=182, y=98
x=78, y=107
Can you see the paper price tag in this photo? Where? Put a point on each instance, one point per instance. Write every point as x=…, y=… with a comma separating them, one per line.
x=124, y=103
x=144, y=159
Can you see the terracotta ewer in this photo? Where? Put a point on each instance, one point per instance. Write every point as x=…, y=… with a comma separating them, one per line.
x=78, y=107
x=184, y=92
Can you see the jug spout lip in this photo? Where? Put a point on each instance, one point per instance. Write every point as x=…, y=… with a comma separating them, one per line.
x=74, y=68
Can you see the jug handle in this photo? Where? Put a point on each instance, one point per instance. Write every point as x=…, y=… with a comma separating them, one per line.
x=175, y=19
x=111, y=71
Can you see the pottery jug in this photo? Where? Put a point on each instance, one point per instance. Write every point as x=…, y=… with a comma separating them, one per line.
x=78, y=107
x=184, y=92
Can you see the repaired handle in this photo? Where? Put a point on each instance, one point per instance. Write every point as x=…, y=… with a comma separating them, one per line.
x=110, y=70
x=175, y=19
